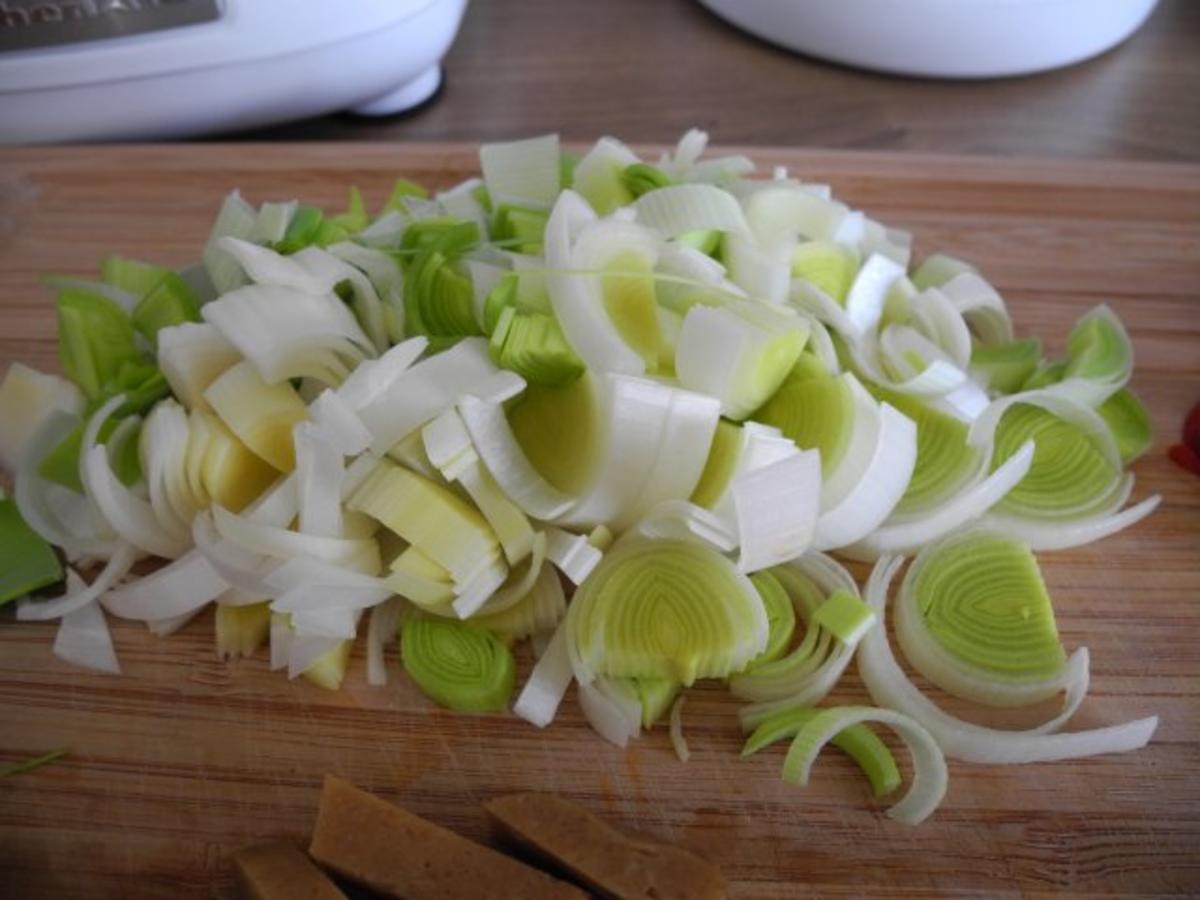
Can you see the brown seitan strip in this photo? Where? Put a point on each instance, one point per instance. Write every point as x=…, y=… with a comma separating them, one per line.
x=279, y=871
x=601, y=857
x=398, y=854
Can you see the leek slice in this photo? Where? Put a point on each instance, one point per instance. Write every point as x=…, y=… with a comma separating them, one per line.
x=241, y=629
x=438, y=297
x=973, y=616
x=938, y=268
x=131, y=275
x=444, y=527
x=95, y=340
x=858, y=741
x=457, y=664
x=168, y=302
x=668, y=609
x=781, y=618
x=678, y=742
x=191, y=357
x=815, y=412
x=329, y=668
x=782, y=213
x=539, y=699
x=236, y=218
x=640, y=178
x=561, y=431
x=930, y=776
x=687, y=208
x=890, y=686
x=981, y=307
x=27, y=562
x=287, y=334
x=825, y=598
x=538, y=612
x=720, y=465
x=1099, y=358
x=656, y=696
x=739, y=353
x=533, y=346
x=598, y=177
x=261, y=415
x=525, y=171
x=1004, y=368
x=828, y=266
x=1129, y=422
x=27, y=400
x=578, y=300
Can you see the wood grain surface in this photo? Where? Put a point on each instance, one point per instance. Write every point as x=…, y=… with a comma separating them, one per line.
x=647, y=71
x=184, y=758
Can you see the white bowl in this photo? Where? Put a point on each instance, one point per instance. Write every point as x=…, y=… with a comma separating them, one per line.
x=942, y=38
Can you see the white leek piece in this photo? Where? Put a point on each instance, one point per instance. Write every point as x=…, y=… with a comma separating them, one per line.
x=192, y=356
x=678, y=209
x=261, y=415
x=27, y=399
x=598, y=175
x=236, y=218
x=522, y=172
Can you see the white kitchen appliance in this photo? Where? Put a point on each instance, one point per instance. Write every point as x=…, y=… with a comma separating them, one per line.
x=942, y=38
x=134, y=69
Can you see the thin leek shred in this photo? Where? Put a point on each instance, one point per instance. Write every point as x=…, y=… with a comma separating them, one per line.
x=29, y=765
x=858, y=742
x=459, y=665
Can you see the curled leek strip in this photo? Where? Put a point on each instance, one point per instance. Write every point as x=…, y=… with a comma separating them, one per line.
x=458, y=665
x=890, y=686
x=825, y=598
x=858, y=741
x=929, y=765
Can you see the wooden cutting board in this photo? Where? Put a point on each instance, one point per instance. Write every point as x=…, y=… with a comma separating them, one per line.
x=183, y=758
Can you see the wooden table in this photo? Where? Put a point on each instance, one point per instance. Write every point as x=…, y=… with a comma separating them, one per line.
x=183, y=758
x=647, y=71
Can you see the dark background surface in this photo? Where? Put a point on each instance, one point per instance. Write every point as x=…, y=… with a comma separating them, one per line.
x=646, y=70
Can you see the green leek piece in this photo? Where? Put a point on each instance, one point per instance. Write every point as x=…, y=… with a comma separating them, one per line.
x=402, y=191
x=1046, y=374
x=897, y=310
x=1069, y=470
x=439, y=523
x=667, y=609
x=27, y=562
x=781, y=618
x=560, y=431
x=828, y=265
x=640, y=178
x=61, y=465
x=567, y=161
x=1129, y=423
x=1097, y=348
x=169, y=302
x=355, y=217
x=656, y=696
x=844, y=616
x=533, y=346
x=142, y=384
x=1006, y=367
x=95, y=339
x=131, y=275
x=483, y=197
x=816, y=413
x=723, y=456
x=519, y=229
x=241, y=629
x=330, y=232
x=945, y=461
x=601, y=184
x=499, y=298
x=301, y=231
x=982, y=598
x=328, y=669
x=858, y=742
x=457, y=665
x=438, y=298
x=939, y=268
x=707, y=241
x=28, y=765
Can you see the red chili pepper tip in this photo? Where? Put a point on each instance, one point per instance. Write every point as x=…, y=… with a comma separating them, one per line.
x=1191, y=429
x=1185, y=457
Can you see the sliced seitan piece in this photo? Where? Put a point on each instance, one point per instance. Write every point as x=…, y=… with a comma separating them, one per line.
x=600, y=856
x=398, y=854
x=280, y=871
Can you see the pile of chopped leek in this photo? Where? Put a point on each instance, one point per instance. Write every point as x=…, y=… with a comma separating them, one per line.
x=621, y=410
